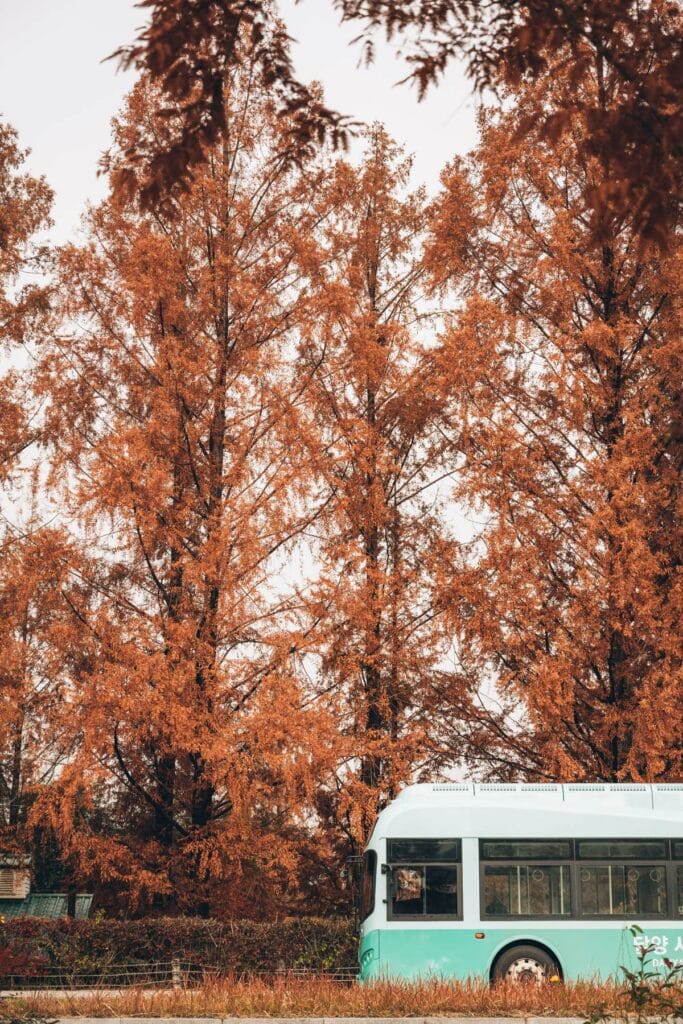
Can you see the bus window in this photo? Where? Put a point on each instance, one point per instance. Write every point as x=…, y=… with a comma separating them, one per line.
x=679, y=889
x=525, y=884
x=526, y=890
x=425, y=890
x=367, y=886
x=621, y=849
x=424, y=877
x=526, y=849
x=441, y=890
x=622, y=890
x=408, y=891
x=418, y=851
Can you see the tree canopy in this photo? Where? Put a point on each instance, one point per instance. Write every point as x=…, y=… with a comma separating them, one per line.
x=311, y=484
x=189, y=44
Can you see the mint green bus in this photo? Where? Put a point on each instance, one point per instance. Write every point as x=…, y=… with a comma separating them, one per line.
x=522, y=881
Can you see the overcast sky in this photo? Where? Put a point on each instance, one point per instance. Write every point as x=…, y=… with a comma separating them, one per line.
x=55, y=90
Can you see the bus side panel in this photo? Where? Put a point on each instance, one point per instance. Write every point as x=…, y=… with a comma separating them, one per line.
x=413, y=953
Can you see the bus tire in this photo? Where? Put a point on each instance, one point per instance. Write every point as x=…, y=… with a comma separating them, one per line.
x=525, y=964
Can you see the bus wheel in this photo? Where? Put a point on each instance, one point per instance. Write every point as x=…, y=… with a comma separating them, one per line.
x=525, y=965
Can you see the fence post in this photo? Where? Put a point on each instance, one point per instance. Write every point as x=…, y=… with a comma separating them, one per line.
x=176, y=974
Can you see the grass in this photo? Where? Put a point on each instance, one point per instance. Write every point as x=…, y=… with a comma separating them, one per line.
x=295, y=997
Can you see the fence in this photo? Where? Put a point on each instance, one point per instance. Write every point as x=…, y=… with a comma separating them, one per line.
x=162, y=974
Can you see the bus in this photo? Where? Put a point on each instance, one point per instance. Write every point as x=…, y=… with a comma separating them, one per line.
x=522, y=881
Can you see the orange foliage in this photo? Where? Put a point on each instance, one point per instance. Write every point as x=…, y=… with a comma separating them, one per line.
x=24, y=211
x=504, y=42
x=29, y=580
x=256, y=616
x=189, y=50
x=376, y=457
x=169, y=403
x=35, y=656
x=564, y=365
x=189, y=47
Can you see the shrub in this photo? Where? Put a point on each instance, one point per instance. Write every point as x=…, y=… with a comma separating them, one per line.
x=73, y=949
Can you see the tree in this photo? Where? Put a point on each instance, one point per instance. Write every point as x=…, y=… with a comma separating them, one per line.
x=189, y=44
x=376, y=453
x=169, y=401
x=30, y=567
x=190, y=50
x=565, y=369
x=25, y=204
x=36, y=566
x=506, y=43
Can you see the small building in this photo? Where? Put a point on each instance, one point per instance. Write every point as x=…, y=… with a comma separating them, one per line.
x=15, y=877
x=17, y=900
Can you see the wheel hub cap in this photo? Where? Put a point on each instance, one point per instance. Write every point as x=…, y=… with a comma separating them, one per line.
x=526, y=970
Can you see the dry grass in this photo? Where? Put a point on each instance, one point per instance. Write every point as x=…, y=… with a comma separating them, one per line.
x=292, y=997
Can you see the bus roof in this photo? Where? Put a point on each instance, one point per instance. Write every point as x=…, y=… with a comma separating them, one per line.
x=533, y=810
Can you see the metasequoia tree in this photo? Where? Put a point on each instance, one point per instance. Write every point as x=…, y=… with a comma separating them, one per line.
x=170, y=404
x=29, y=582
x=504, y=43
x=189, y=49
x=375, y=452
x=565, y=369
x=188, y=45
x=36, y=565
x=25, y=203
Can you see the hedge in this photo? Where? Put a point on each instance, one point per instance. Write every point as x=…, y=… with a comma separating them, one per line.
x=69, y=950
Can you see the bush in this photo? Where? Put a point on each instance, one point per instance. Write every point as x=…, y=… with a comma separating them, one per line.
x=73, y=949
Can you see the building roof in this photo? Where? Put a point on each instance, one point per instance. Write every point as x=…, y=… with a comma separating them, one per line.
x=45, y=904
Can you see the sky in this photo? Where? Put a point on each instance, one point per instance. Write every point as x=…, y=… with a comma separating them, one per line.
x=60, y=94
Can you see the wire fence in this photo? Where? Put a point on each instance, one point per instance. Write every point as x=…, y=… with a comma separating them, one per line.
x=161, y=974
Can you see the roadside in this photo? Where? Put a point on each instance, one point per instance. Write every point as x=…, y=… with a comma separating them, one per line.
x=322, y=999
x=319, y=1020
